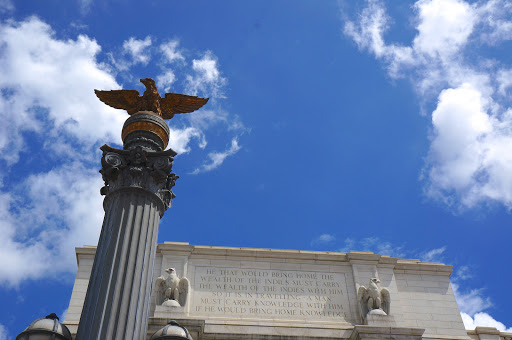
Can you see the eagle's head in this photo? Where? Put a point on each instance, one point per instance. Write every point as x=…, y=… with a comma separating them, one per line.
x=170, y=270
x=375, y=280
x=148, y=82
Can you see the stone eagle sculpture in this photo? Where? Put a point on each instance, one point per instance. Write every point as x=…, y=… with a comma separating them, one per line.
x=167, y=107
x=373, y=298
x=172, y=291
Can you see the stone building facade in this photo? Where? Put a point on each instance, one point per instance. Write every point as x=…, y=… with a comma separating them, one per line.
x=245, y=293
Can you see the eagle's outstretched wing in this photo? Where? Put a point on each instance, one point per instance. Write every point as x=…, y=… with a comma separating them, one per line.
x=174, y=103
x=121, y=99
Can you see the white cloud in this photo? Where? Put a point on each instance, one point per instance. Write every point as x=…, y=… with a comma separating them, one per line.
x=444, y=26
x=374, y=245
x=324, y=238
x=504, y=80
x=472, y=301
x=463, y=273
x=217, y=158
x=56, y=76
x=349, y=245
x=41, y=71
x=472, y=305
x=134, y=51
x=138, y=49
x=203, y=78
x=40, y=236
x=63, y=315
x=472, y=125
x=433, y=255
x=164, y=81
x=179, y=139
x=171, y=55
x=4, y=335
x=483, y=320
x=467, y=151
x=207, y=67
x=197, y=124
x=206, y=118
x=85, y=6
x=46, y=88
x=207, y=79
x=6, y=6
x=171, y=52
x=495, y=21
x=368, y=34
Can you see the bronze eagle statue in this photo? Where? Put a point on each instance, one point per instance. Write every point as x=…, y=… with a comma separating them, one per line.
x=166, y=107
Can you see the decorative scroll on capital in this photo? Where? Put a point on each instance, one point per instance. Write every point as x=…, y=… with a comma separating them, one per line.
x=141, y=169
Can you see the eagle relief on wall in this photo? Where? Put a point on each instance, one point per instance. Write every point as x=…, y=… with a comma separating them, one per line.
x=172, y=291
x=373, y=300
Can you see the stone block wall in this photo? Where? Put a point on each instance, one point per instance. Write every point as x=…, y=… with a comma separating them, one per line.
x=245, y=293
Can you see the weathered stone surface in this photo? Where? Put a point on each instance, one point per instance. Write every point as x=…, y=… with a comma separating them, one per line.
x=379, y=320
x=380, y=333
x=269, y=294
x=489, y=333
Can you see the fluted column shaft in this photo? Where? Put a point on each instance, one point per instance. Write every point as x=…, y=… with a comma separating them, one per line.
x=121, y=278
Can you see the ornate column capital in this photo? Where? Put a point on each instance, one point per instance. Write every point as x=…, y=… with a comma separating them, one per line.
x=138, y=168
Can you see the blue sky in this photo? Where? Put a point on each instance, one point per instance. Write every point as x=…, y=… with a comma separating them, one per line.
x=332, y=126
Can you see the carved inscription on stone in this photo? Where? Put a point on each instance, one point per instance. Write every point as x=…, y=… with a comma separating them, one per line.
x=265, y=293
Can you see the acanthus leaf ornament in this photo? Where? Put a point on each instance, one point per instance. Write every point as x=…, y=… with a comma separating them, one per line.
x=139, y=168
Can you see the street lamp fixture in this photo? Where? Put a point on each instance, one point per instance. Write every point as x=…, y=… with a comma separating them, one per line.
x=48, y=328
x=172, y=331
